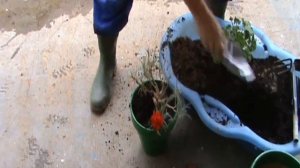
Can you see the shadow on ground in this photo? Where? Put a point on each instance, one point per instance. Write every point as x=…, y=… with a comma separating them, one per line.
x=23, y=16
x=192, y=144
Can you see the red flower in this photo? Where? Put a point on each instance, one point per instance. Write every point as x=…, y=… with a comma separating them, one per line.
x=157, y=120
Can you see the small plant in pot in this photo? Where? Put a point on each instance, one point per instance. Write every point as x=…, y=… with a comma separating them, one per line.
x=154, y=106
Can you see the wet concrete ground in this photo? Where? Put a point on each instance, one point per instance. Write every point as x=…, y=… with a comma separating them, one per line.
x=48, y=59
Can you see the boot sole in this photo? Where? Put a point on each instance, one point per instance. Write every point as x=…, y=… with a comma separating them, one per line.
x=99, y=110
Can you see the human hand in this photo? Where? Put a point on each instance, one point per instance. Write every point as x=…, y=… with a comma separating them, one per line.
x=213, y=38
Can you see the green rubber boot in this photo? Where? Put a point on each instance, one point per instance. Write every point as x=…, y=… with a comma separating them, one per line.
x=102, y=86
x=218, y=7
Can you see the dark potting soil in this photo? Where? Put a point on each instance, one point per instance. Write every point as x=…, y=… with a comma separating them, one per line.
x=143, y=105
x=265, y=105
x=273, y=165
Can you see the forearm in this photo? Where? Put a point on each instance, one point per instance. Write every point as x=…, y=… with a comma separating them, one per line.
x=199, y=10
x=211, y=34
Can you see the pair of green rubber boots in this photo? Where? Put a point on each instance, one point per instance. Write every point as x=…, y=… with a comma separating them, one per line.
x=102, y=86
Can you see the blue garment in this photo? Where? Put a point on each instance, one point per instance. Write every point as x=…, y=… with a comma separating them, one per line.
x=110, y=16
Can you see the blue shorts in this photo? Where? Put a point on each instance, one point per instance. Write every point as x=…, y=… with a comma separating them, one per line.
x=110, y=16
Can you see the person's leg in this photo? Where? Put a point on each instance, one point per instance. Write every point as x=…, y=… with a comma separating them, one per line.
x=101, y=88
x=110, y=16
x=218, y=7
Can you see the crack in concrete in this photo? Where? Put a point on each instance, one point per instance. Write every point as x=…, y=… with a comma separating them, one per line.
x=6, y=44
x=17, y=50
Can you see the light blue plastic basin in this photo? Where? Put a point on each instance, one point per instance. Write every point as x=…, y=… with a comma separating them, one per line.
x=185, y=26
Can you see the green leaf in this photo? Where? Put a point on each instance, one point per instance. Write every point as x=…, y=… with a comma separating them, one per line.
x=237, y=21
x=243, y=36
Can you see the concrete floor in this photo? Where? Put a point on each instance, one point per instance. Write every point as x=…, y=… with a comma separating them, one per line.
x=48, y=59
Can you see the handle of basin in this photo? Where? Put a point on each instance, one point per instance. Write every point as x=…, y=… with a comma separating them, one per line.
x=265, y=39
x=270, y=46
x=244, y=133
x=236, y=132
x=219, y=105
x=232, y=131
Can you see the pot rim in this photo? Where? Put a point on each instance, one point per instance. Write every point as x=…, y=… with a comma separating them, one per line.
x=131, y=110
x=269, y=152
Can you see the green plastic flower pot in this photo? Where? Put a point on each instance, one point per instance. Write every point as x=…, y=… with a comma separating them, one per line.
x=153, y=143
x=275, y=159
